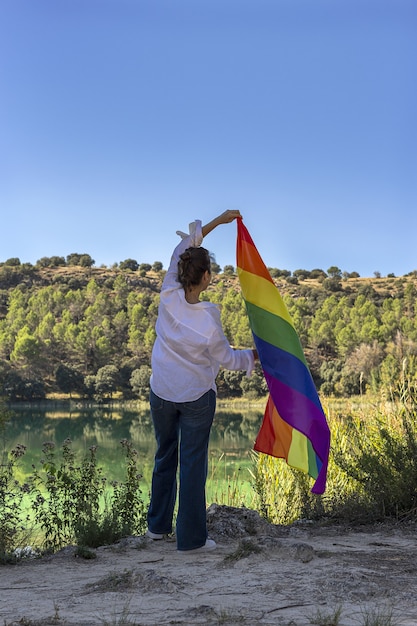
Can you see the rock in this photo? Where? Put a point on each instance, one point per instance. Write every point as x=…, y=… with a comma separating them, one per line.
x=235, y=523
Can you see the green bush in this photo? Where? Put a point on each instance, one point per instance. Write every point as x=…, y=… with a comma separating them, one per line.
x=68, y=502
x=13, y=525
x=123, y=514
x=68, y=499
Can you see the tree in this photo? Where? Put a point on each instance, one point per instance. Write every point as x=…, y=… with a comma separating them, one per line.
x=129, y=264
x=139, y=381
x=17, y=387
x=276, y=273
x=300, y=312
x=318, y=273
x=301, y=274
x=255, y=385
x=234, y=319
x=363, y=362
x=26, y=347
x=53, y=261
x=157, y=266
x=228, y=383
x=228, y=270
x=292, y=280
x=34, y=389
x=332, y=283
x=13, y=262
x=322, y=328
x=84, y=260
x=12, y=384
x=121, y=291
x=90, y=385
x=68, y=379
x=107, y=381
x=120, y=326
x=57, y=261
x=334, y=272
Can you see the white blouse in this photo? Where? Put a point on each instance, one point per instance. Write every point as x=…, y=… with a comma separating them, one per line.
x=190, y=345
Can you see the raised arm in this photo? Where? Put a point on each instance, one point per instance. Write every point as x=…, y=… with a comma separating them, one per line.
x=225, y=218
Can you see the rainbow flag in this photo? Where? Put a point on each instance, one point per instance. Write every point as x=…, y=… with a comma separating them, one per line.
x=294, y=426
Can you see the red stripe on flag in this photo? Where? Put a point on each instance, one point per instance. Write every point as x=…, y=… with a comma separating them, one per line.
x=248, y=257
x=275, y=435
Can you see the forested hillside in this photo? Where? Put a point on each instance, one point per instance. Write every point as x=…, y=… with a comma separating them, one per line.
x=67, y=326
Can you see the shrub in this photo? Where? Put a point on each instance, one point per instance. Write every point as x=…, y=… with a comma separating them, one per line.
x=383, y=461
x=68, y=499
x=12, y=524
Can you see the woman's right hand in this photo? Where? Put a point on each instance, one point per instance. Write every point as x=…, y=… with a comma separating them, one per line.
x=225, y=218
x=228, y=216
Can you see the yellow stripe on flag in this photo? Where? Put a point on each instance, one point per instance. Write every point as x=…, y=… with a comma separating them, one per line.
x=298, y=454
x=263, y=293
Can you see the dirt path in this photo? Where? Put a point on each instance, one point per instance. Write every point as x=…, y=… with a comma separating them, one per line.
x=259, y=574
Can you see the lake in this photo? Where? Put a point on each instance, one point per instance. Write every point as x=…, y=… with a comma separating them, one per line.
x=230, y=450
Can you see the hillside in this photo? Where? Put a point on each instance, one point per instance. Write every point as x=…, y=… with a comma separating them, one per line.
x=90, y=330
x=26, y=274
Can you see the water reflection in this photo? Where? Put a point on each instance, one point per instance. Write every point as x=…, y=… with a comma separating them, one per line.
x=231, y=442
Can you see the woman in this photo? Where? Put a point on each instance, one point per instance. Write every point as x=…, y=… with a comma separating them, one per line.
x=189, y=349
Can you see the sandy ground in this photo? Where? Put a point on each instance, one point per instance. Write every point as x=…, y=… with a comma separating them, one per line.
x=259, y=574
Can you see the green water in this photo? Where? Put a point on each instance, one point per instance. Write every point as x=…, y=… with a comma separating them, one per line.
x=230, y=449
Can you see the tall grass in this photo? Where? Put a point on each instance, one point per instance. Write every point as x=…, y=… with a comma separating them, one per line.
x=230, y=488
x=372, y=467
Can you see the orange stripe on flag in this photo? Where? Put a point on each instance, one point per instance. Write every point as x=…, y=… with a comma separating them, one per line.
x=275, y=435
x=250, y=261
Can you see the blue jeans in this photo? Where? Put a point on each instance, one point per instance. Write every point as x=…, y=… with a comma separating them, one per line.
x=187, y=425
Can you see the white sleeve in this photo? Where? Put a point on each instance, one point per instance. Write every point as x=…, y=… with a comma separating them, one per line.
x=228, y=357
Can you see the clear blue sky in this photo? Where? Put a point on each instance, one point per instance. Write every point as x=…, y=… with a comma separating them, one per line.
x=123, y=120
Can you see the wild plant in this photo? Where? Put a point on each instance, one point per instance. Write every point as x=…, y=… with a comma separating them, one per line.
x=324, y=618
x=379, y=616
x=13, y=524
x=331, y=618
x=73, y=503
x=127, y=499
x=124, y=512
x=231, y=490
x=120, y=619
x=383, y=461
x=59, y=488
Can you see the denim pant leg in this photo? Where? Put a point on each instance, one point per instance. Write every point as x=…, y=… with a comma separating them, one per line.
x=165, y=417
x=196, y=419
